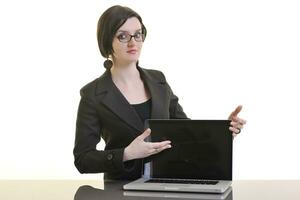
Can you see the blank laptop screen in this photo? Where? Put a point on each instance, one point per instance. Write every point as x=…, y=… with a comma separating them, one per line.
x=201, y=149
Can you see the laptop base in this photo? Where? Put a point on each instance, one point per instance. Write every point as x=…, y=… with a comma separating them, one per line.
x=141, y=184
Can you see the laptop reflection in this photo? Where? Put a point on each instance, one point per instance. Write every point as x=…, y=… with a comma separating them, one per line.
x=227, y=195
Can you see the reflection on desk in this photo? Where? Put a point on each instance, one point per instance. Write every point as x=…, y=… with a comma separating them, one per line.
x=113, y=190
x=227, y=195
x=97, y=189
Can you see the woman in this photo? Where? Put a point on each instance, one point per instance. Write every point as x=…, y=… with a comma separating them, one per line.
x=115, y=105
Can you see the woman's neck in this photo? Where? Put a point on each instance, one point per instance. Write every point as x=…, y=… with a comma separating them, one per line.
x=125, y=74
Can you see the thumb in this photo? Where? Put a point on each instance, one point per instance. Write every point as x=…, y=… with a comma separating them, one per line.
x=145, y=134
x=235, y=112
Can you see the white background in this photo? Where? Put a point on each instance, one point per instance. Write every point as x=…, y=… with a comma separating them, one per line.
x=215, y=55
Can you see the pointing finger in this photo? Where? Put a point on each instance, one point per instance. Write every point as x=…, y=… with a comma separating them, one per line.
x=235, y=112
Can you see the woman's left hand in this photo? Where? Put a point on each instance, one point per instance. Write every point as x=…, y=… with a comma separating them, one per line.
x=236, y=124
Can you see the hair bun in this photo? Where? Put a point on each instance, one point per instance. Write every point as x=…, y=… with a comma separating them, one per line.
x=108, y=64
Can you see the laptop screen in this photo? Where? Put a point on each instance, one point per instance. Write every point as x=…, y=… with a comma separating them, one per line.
x=201, y=149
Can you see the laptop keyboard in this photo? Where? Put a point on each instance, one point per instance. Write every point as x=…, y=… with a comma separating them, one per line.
x=182, y=181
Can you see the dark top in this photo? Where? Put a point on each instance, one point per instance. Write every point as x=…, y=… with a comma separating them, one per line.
x=105, y=113
x=143, y=109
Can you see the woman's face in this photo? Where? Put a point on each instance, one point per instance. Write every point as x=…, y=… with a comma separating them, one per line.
x=127, y=48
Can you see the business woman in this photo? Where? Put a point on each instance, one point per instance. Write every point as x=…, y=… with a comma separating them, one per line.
x=115, y=105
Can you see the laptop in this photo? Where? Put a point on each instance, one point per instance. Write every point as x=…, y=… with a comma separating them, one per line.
x=200, y=159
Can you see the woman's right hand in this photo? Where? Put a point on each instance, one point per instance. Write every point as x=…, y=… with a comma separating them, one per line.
x=138, y=148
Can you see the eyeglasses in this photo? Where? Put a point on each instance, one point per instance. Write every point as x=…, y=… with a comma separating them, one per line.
x=126, y=37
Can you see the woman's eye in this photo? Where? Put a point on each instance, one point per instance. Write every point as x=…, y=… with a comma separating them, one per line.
x=138, y=35
x=122, y=36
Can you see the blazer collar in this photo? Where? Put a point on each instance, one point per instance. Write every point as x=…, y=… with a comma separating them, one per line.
x=111, y=97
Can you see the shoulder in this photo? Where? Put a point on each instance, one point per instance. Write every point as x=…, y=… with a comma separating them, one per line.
x=91, y=88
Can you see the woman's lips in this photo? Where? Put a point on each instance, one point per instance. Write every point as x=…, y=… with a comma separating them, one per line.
x=132, y=51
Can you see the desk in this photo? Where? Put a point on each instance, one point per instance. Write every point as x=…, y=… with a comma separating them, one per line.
x=92, y=190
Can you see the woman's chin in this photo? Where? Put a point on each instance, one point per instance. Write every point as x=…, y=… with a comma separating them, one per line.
x=132, y=60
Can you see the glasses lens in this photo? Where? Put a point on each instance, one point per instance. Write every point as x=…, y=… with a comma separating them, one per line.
x=138, y=37
x=124, y=37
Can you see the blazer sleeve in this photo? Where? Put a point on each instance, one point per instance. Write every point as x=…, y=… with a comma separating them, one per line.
x=88, y=127
x=175, y=109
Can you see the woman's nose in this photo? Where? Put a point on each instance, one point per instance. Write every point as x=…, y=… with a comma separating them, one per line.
x=131, y=42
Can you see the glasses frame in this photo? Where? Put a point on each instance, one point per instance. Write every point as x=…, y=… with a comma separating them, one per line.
x=132, y=36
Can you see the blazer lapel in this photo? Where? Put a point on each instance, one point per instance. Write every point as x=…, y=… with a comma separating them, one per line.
x=157, y=88
x=112, y=98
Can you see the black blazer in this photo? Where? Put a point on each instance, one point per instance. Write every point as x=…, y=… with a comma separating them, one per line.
x=105, y=113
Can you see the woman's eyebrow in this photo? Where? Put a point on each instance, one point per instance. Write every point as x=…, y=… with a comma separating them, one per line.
x=126, y=31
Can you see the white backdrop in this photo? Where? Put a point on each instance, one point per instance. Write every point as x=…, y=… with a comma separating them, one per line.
x=230, y=52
